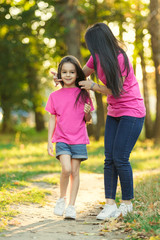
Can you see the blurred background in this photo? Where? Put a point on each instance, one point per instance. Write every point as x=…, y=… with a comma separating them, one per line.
x=35, y=35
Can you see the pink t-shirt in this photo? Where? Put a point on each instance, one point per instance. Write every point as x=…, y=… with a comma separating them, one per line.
x=130, y=103
x=70, y=124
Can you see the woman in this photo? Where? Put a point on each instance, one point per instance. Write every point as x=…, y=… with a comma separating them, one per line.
x=125, y=113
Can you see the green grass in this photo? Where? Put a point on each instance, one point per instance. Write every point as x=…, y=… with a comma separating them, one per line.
x=146, y=217
x=23, y=157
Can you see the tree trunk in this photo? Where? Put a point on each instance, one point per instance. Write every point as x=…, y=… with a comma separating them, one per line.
x=100, y=116
x=67, y=12
x=39, y=120
x=148, y=121
x=154, y=27
x=6, y=121
x=35, y=96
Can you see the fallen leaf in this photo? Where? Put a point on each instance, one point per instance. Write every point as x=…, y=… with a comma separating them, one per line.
x=73, y=233
x=14, y=223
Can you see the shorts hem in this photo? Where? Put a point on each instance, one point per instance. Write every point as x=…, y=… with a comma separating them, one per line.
x=62, y=153
x=80, y=157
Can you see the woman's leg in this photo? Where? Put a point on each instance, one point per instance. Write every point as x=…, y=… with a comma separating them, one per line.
x=75, y=166
x=110, y=172
x=65, y=174
x=128, y=131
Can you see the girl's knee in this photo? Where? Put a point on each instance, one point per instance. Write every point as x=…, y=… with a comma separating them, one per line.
x=66, y=171
x=75, y=172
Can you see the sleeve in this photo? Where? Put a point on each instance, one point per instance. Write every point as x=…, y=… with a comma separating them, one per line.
x=50, y=106
x=122, y=64
x=90, y=63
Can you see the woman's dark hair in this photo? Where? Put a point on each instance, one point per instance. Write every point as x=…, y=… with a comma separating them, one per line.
x=101, y=41
x=83, y=95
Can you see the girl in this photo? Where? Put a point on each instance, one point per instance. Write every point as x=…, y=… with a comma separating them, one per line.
x=125, y=113
x=70, y=109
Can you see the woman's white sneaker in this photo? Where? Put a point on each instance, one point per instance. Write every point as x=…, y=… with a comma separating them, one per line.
x=123, y=210
x=60, y=207
x=70, y=212
x=107, y=212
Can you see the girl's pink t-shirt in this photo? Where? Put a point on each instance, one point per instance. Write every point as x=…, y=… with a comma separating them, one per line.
x=130, y=103
x=70, y=124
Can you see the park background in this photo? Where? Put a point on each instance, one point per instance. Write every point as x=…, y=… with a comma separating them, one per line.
x=34, y=36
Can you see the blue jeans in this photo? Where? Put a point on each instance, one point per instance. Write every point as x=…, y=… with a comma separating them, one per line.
x=121, y=134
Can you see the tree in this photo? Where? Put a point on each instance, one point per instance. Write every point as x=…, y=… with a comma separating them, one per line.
x=140, y=25
x=22, y=48
x=154, y=28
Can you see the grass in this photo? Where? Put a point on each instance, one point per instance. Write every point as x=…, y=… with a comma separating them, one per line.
x=145, y=220
x=23, y=157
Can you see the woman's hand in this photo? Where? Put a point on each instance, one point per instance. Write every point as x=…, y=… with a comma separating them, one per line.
x=86, y=84
x=56, y=80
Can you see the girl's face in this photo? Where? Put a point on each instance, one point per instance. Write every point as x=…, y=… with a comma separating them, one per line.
x=68, y=75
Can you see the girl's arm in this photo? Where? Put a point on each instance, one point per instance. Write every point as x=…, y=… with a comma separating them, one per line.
x=87, y=115
x=91, y=85
x=51, y=127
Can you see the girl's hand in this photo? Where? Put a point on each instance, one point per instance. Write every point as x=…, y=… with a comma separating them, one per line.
x=86, y=84
x=56, y=80
x=87, y=108
x=50, y=149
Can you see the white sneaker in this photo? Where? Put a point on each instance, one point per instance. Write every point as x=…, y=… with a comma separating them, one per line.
x=123, y=210
x=107, y=212
x=60, y=207
x=70, y=212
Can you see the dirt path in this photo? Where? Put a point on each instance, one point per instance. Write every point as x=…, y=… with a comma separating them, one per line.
x=35, y=222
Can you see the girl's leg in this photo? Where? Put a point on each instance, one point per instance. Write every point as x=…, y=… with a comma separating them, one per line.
x=129, y=129
x=75, y=166
x=65, y=174
x=110, y=172
x=64, y=179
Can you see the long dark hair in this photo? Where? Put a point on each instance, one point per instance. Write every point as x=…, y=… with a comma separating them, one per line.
x=101, y=41
x=83, y=95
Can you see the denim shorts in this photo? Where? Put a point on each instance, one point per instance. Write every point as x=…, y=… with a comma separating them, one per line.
x=77, y=151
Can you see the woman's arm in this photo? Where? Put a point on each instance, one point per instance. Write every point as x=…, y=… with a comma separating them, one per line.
x=91, y=85
x=87, y=71
x=51, y=127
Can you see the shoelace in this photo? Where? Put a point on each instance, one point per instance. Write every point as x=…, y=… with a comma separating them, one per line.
x=61, y=204
x=122, y=209
x=70, y=210
x=105, y=208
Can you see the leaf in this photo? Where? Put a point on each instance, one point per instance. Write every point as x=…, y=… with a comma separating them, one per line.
x=14, y=223
x=73, y=233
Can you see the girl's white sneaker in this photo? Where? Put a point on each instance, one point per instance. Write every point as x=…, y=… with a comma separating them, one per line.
x=70, y=212
x=107, y=212
x=124, y=209
x=60, y=207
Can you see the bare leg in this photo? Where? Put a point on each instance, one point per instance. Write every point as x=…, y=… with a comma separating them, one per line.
x=75, y=166
x=65, y=174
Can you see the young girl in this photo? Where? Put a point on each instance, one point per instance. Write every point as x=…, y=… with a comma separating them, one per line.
x=70, y=110
x=125, y=113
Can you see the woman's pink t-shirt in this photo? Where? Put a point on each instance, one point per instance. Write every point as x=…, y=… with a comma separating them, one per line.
x=70, y=124
x=130, y=103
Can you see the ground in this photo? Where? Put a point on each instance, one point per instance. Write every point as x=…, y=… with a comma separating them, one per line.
x=37, y=222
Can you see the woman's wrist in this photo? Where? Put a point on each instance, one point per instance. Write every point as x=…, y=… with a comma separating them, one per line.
x=92, y=85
